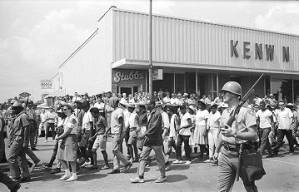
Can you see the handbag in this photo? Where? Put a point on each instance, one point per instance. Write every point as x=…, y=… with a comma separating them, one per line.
x=252, y=166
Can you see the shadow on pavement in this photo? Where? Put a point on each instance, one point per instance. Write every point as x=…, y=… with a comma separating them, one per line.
x=176, y=178
x=179, y=167
x=43, y=176
x=91, y=176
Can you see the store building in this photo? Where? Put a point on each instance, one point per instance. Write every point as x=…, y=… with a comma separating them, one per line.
x=195, y=56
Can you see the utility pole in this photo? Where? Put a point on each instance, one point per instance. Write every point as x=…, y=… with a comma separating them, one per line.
x=150, y=43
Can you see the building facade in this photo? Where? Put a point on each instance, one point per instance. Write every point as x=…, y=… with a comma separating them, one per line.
x=195, y=56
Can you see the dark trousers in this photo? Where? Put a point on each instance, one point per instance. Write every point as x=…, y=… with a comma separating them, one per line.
x=33, y=134
x=2, y=148
x=7, y=181
x=170, y=144
x=280, y=135
x=185, y=139
x=127, y=136
x=15, y=151
x=265, y=144
x=48, y=127
x=54, y=153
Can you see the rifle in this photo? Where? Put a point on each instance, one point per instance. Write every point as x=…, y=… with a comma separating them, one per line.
x=233, y=118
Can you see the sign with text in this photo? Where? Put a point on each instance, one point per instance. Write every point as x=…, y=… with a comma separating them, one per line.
x=157, y=74
x=46, y=84
x=127, y=76
x=257, y=51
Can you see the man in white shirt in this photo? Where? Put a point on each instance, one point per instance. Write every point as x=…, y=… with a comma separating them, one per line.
x=117, y=132
x=265, y=123
x=184, y=136
x=213, y=129
x=50, y=117
x=87, y=130
x=284, y=120
x=133, y=128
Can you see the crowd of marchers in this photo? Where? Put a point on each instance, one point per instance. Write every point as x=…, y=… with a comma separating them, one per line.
x=80, y=125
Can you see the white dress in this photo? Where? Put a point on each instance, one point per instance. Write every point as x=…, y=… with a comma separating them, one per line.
x=200, y=135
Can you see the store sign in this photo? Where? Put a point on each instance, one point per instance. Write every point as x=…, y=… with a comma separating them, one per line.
x=119, y=76
x=46, y=84
x=261, y=51
x=157, y=74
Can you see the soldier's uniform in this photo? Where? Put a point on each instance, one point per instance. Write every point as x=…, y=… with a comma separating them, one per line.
x=15, y=146
x=228, y=157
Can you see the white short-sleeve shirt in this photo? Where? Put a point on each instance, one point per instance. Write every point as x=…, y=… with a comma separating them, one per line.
x=201, y=117
x=87, y=119
x=265, y=118
x=284, y=118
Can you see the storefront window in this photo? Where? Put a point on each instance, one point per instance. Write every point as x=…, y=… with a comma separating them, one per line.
x=282, y=89
x=296, y=91
x=164, y=85
x=179, y=82
x=190, y=82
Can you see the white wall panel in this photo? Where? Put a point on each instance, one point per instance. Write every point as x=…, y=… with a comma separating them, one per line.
x=192, y=42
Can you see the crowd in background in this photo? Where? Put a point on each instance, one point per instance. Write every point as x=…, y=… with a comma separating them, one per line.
x=81, y=124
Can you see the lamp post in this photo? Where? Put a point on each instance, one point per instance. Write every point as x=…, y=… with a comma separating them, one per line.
x=150, y=70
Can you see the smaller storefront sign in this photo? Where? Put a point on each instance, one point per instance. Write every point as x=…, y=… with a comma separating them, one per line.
x=46, y=84
x=157, y=74
x=128, y=81
x=120, y=76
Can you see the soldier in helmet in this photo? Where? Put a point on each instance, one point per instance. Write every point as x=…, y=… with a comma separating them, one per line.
x=243, y=130
x=18, y=141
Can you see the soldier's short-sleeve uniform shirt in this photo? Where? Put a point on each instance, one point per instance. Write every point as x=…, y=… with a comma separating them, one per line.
x=246, y=118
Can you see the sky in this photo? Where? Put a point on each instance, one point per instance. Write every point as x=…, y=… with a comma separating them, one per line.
x=37, y=36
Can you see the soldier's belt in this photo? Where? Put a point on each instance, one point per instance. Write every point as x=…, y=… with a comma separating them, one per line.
x=231, y=147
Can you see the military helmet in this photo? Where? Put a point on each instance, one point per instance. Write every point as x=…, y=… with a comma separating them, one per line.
x=232, y=87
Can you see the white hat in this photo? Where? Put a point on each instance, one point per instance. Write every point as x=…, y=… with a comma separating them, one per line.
x=123, y=102
x=192, y=107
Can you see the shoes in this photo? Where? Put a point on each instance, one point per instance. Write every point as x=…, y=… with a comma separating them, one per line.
x=187, y=163
x=114, y=171
x=74, y=177
x=137, y=180
x=47, y=165
x=45, y=141
x=208, y=161
x=16, y=187
x=127, y=167
x=177, y=162
x=65, y=176
x=34, y=149
x=54, y=171
x=161, y=179
x=105, y=167
x=86, y=164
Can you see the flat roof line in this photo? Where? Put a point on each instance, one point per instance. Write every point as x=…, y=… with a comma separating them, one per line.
x=79, y=48
x=209, y=23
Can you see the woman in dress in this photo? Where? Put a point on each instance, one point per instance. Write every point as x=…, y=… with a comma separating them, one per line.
x=200, y=132
x=67, y=149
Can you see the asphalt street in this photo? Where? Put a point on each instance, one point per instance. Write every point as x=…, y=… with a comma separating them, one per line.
x=282, y=176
